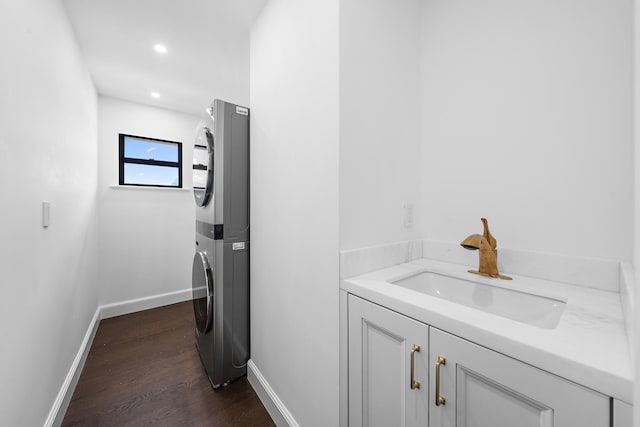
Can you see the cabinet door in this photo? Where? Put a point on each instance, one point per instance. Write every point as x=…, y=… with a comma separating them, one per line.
x=380, y=359
x=622, y=414
x=483, y=388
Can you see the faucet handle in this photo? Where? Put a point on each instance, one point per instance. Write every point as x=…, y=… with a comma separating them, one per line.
x=487, y=234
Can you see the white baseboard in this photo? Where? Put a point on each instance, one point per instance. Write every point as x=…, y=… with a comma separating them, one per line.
x=56, y=415
x=139, y=304
x=278, y=411
x=59, y=408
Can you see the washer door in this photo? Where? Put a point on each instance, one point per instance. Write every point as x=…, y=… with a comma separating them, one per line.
x=202, y=288
x=203, y=161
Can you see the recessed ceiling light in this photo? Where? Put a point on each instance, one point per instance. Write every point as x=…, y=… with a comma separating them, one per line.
x=155, y=95
x=160, y=48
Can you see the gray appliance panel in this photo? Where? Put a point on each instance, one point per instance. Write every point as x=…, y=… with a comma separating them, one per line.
x=205, y=229
x=237, y=180
x=224, y=346
x=232, y=164
x=230, y=313
x=237, y=264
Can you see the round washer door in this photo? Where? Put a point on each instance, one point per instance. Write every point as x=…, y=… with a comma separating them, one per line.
x=203, y=161
x=202, y=288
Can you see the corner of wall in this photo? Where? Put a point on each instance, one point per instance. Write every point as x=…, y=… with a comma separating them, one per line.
x=627, y=300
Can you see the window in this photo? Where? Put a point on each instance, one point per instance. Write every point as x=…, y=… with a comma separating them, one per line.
x=150, y=162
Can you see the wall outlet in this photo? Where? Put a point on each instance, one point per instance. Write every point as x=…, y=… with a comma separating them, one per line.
x=408, y=216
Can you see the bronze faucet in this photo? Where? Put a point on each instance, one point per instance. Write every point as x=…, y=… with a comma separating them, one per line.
x=488, y=253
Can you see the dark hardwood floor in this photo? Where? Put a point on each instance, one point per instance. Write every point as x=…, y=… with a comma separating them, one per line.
x=143, y=368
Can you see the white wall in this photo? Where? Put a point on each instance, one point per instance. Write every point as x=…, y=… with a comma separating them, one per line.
x=379, y=121
x=294, y=205
x=48, y=151
x=526, y=119
x=146, y=234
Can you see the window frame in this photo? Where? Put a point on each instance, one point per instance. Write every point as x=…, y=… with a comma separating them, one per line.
x=122, y=160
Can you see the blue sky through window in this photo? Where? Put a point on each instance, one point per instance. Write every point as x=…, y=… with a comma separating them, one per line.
x=150, y=175
x=150, y=150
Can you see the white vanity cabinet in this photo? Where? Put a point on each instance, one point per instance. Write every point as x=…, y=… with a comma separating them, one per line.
x=382, y=351
x=483, y=388
x=478, y=387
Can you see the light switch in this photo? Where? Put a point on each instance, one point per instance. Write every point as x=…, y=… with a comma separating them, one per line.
x=45, y=214
x=408, y=216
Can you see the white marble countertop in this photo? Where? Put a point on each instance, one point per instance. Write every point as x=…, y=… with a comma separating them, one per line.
x=589, y=345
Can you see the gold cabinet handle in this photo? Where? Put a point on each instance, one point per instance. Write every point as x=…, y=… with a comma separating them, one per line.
x=414, y=383
x=439, y=399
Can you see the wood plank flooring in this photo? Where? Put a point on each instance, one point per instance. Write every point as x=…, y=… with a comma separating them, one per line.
x=143, y=368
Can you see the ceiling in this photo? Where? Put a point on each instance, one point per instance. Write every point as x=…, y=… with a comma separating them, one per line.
x=207, y=43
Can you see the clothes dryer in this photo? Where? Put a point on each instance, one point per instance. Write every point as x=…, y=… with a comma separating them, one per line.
x=220, y=270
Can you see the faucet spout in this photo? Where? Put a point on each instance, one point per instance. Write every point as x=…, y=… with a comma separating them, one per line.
x=488, y=254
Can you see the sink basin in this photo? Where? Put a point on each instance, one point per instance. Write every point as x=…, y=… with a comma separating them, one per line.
x=535, y=310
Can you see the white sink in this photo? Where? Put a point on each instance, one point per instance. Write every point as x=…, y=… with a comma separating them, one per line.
x=536, y=310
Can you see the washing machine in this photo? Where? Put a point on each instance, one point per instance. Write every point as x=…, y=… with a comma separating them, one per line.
x=220, y=270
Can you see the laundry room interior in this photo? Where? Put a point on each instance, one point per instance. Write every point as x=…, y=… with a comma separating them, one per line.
x=380, y=133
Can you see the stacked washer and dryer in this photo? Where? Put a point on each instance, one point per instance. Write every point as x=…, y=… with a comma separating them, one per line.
x=220, y=275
